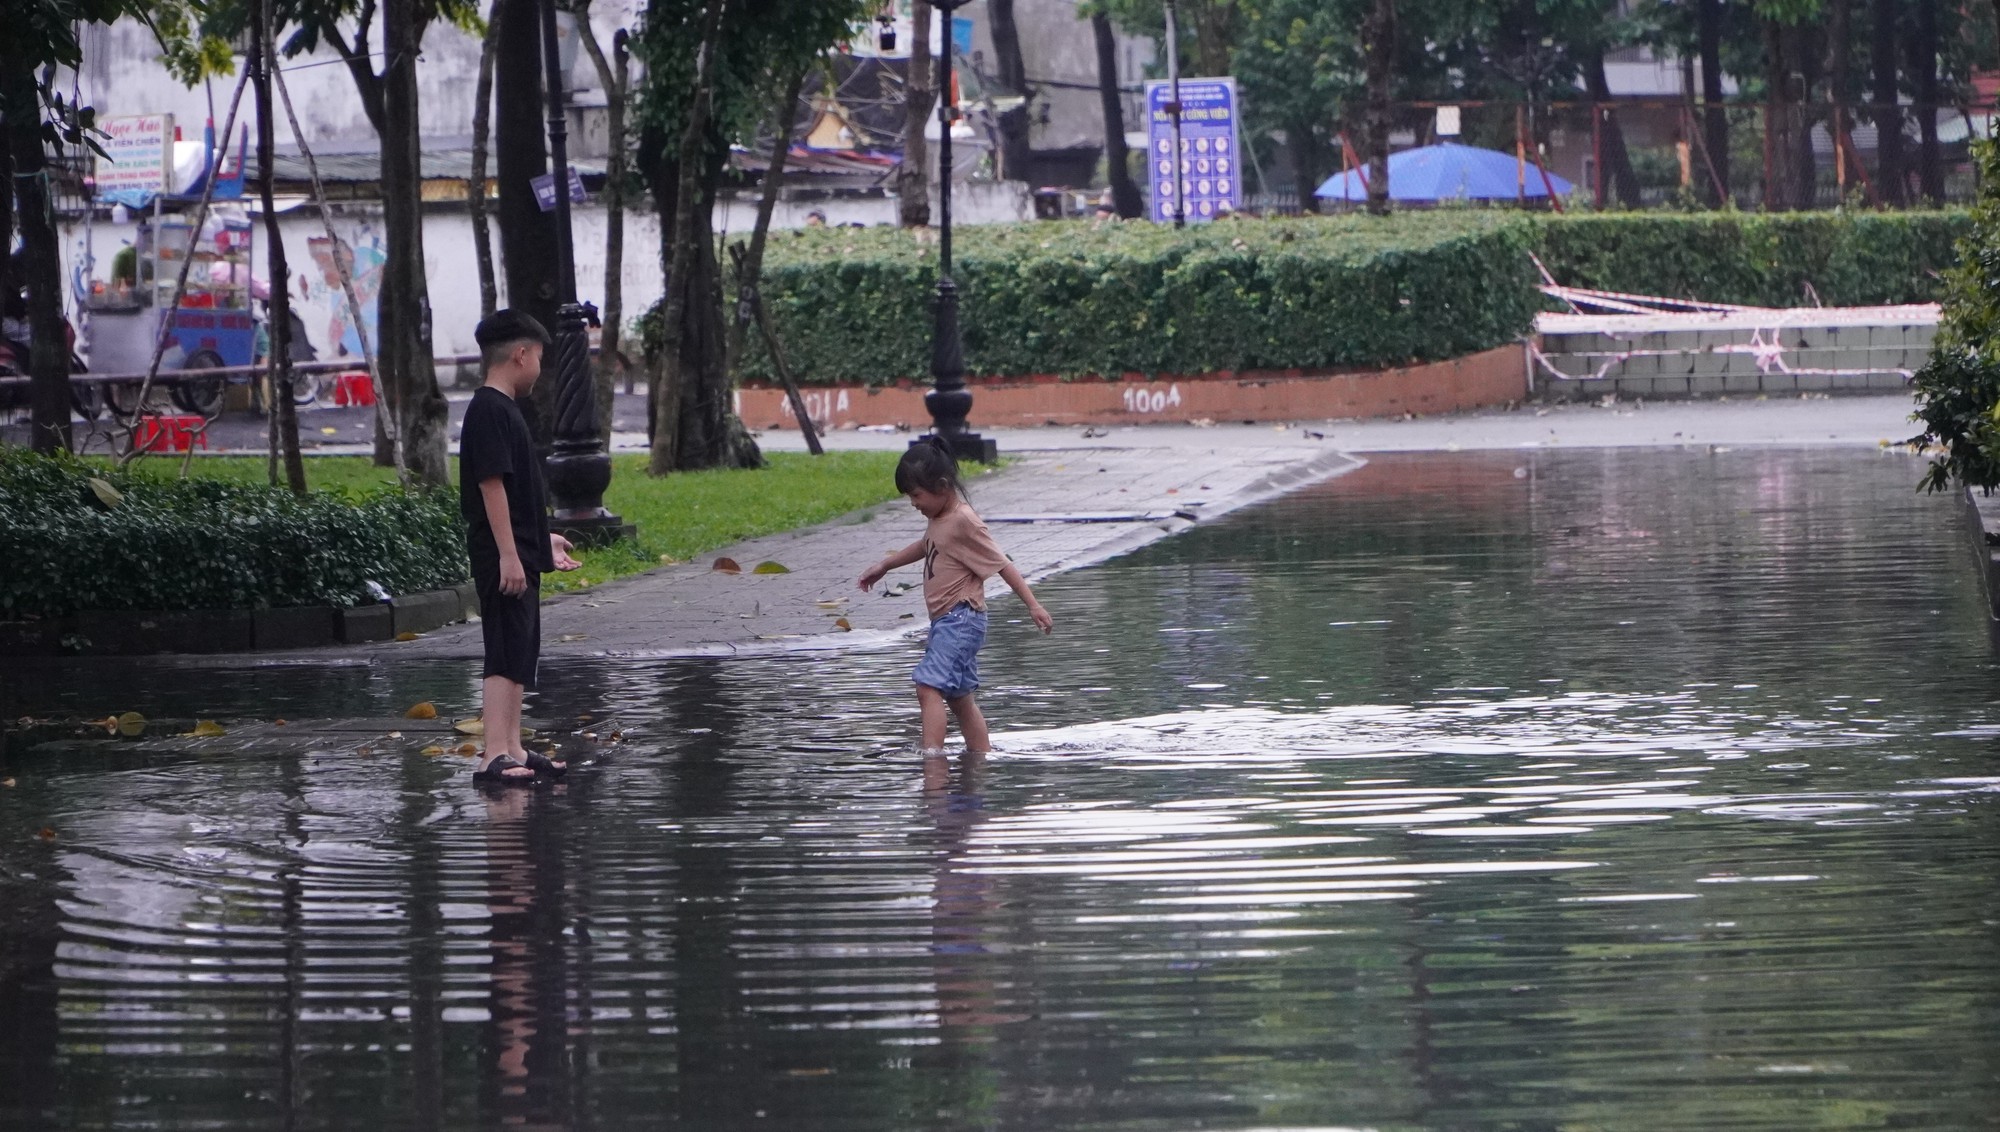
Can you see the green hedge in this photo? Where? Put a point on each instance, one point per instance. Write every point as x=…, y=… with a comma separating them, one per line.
x=855, y=305
x=1850, y=258
x=201, y=544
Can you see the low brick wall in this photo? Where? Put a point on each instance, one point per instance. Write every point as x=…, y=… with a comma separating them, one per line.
x=1494, y=377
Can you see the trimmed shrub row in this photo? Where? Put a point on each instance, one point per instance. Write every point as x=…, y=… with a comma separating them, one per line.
x=201, y=544
x=1848, y=258
x=854, y=306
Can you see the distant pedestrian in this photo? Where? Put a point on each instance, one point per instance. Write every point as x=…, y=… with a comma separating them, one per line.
x=815, y=219
x=959, y=555
x=506, y=514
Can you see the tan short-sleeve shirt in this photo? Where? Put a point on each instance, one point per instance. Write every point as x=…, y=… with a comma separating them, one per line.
x=959, y=555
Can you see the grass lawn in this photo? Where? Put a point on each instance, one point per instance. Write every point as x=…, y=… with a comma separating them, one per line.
x=679, y=516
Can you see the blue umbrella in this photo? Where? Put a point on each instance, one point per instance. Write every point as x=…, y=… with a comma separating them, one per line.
x=1446, y=172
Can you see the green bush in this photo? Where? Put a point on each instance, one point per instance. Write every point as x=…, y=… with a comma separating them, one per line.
x=202, y=544
x=1849, y=258
x=1069, y=299
x=1958, y=390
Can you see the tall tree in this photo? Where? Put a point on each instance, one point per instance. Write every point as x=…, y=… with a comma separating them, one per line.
x=1012, y=70
x=614, y=76
x=1125, y=198
x=913, y=176
x=1887, y=113
x=475, y=185
x=1378, y=36
x=1617, y=159
x=1715, y=121
x=760, y=45
x=1924, y=75
x=527, y=234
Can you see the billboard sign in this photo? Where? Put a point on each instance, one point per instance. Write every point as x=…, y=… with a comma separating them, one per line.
x=1210, y=168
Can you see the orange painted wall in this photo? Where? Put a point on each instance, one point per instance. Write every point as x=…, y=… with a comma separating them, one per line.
x=1494, y=377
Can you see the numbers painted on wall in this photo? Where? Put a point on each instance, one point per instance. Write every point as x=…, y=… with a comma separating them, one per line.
x=1139, y=400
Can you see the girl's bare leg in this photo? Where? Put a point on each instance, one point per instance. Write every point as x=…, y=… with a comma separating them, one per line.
x=932, y=702
x=972, y=725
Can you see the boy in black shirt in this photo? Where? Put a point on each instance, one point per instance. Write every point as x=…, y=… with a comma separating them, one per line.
x=508, y=538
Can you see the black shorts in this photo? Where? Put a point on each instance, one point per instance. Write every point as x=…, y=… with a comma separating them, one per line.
x=512, y=627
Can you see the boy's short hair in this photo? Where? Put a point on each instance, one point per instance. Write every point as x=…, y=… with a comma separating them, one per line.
x=502, y=330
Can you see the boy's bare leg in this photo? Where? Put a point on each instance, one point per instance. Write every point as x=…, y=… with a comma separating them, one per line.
x=972, y=725
x=932, y=702
x=500, y=711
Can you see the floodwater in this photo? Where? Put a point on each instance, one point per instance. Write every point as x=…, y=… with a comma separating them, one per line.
x=1621, y=789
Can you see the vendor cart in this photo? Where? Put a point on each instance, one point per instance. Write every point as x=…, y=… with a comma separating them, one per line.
x=213, y=327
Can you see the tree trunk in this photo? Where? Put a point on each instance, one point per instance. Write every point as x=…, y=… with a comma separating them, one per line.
x=695, y=424
x=475, y=187
x=1303, y=150
x=785, y=114
x=285, y=416
x=613, y=75
x=1379, y=43
x=1214, y=35
x=1803, y=63
x=1125, y=196
x=1015, y=149
x=1777, y=120
x=1839, y=43
x=405, y=315
x=913, y=176
x=527, y=234
x=40, y=269
x=1923, y=68
x=1617, y=159
x=1715, y=134
x=1888, y=115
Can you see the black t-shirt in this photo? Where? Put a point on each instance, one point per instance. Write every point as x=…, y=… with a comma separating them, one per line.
x=494, y=441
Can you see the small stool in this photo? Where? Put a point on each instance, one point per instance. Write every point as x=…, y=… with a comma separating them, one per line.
x=353, y=389
x=158, y=433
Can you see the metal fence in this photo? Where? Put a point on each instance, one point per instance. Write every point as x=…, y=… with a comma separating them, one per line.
x=1673, y=153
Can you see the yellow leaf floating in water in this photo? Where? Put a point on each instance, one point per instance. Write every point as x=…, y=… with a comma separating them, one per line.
x=425, y=710
x=330, y=431
x=470, y=727
x=7, y=782
x=844, y=625
x=106, y=494
x=727, y=566
x=206, y=729
x=131, y=724
x=433, y=751
x=406, y=637
x=771, y=568
x=468, y=748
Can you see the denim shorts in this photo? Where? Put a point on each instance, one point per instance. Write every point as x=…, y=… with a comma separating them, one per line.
x=951, y=656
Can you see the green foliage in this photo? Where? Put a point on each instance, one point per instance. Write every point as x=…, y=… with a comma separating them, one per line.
x=206, y=544
x=1849, y=258
x=855, y=306
x=1958, y=390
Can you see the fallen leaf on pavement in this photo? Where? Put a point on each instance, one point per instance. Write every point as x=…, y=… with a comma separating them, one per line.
x=844, y=625
x=278, y=723
x=574, y=637
x=7, y=782
x=470, y=727
x=727, y=566
x=206, y=729
x=395, y=734
x=406, y=637
x=468, y=748
x=131, y=724
x=434, y=751
x=771, y=568
x=47, y=834
x=425, y=710
x=330, y=431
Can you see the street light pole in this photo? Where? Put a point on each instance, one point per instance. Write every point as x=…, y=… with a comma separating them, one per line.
x=1174, y=112
x=579, y=469
x=949, y=401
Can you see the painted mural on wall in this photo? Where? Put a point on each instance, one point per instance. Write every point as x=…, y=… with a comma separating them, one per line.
x=326, y=303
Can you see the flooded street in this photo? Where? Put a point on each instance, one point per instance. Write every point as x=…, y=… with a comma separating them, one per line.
x=1501, y=790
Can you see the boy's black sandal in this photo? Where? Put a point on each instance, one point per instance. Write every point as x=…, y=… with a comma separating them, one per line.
x=543, y=766
x=496, y=774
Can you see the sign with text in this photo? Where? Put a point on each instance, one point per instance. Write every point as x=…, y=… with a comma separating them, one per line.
x=1209, y=167
x=138, y=153
x=545, y=189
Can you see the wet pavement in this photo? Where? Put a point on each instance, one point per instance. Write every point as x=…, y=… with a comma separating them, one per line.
x=1482, y=790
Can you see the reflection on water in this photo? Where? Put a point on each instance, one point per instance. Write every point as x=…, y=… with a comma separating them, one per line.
x=1621, y=790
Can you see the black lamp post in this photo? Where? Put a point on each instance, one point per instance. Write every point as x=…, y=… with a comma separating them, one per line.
x=949, y=400
x=579, y=469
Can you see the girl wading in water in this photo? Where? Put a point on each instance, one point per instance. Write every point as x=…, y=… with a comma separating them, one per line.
x=959, y=555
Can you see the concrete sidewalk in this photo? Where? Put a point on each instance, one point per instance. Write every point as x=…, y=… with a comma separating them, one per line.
x=1051, y=511
x=1071, y=499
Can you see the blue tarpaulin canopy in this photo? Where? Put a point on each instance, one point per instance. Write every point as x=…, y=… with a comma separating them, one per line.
x=1447, y=172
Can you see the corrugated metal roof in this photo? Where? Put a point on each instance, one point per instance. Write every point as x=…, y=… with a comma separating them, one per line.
x=366, y=167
